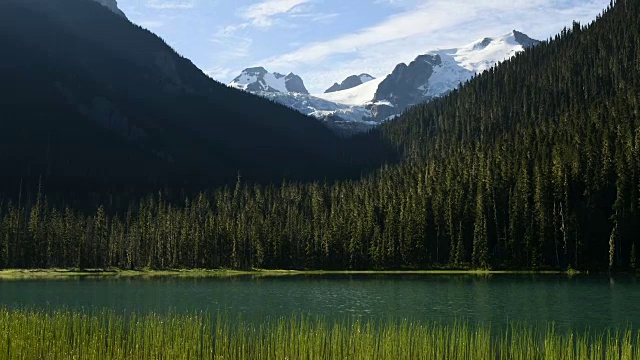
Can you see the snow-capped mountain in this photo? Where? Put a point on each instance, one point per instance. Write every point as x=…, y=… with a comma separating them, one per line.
x=361, y=107
x=258, y=79
x=343, y=118
x=111, y=5
x=431, y=75
x=440, y=71
x=350, y=82
x=290, y=91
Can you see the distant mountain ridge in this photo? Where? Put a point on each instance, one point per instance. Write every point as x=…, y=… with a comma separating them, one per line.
x=361, y=102
x=350, y=82
x=258, y=79
x=439, y=71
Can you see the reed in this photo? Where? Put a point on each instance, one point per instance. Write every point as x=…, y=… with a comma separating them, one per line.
x=65, y=334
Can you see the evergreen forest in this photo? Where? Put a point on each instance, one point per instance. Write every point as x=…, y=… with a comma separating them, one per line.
x=533, y=164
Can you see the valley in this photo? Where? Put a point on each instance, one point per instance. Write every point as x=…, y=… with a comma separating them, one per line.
x=471, y=202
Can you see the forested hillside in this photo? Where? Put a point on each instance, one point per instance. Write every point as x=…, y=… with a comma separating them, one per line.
x=533, y=164
x=93, y=102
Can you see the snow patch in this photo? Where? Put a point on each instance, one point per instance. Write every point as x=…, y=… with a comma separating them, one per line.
x=275, y=81
x=483, y=54
x=320, y=108
x=242, y=81
x=461, y=64
x=366, y=78
x=356, y=96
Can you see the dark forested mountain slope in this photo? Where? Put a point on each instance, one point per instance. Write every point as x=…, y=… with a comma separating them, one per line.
x=87, y=97
x=536, y=162
x=533, y=164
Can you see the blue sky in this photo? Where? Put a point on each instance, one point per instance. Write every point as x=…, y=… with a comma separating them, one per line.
x=325, y=41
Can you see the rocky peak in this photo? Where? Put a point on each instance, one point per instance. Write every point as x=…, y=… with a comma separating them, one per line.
x=350, y=82
x=111, y=5
x=259, y=79
x=524, y=40
x=295, y=84
x=405, y=85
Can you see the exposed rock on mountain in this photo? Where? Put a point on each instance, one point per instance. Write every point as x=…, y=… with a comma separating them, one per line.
x=361, y=101
x=350, y=82
x=258, y=79
x=407, y=84
x=112, y=5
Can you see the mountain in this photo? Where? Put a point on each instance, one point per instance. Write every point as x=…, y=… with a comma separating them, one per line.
x=361, y=102
x=350, y=82
x=290, y=91
x=430, y=75
x=258, y=79
x=343, y=119
x=112, y=5
x=440, y=71
x=90, y=98
x=534, y=164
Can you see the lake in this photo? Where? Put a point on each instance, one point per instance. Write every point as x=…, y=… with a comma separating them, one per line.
x=580, y=302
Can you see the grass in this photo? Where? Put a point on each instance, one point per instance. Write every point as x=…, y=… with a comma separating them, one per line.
x=71, y=335
x=52, y=274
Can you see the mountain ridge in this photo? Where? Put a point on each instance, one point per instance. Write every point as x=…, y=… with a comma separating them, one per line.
x=125, y=108
x=113, y=6
x=350, y=82
x=258, y=79
x=359, y=107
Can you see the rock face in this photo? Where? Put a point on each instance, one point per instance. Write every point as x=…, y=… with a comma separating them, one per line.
x=524, y=40
x=406, y=85
x=440, y=71
x=111, y=5
x=258, y=79
x=350, y=82
x=361, y=102
x=295, y=84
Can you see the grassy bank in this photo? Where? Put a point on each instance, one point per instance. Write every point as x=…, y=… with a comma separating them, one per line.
x=69, y=335
x=17, y=274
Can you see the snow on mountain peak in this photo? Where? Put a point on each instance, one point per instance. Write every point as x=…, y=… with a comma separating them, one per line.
x=366, y=78
x=258, y=79
x=361, y=102
x=485, y=53
x=350, y=82
x=357, y=95
x=431, y=75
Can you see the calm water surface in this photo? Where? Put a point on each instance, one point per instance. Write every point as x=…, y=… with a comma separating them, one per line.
x=579, y=302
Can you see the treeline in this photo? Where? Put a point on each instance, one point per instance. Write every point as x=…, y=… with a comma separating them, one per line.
x=538, y=157
x=533, y=164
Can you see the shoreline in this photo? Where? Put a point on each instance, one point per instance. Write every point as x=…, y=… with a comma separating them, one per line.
x=26, y=274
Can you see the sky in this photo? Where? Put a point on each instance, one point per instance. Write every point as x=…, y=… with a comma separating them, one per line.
x=324, y=41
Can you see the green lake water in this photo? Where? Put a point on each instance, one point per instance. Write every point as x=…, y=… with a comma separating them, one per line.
x=595, y=302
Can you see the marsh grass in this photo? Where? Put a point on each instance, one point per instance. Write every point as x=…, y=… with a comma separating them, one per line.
x=62, y=274
x=65, y=334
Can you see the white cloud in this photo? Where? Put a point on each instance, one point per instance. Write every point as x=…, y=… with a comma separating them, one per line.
x=417, y=22
x=428, y=25
x=231, y=45
x=229, y=30
x=262, y=14
x=150, y=24
x=170, y=5
x=219, y=72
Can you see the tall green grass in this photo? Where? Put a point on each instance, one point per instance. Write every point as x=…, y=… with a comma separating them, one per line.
x=107, y=335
